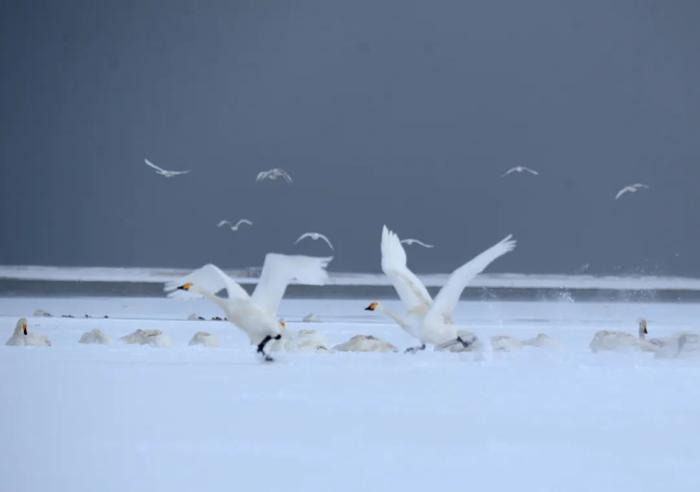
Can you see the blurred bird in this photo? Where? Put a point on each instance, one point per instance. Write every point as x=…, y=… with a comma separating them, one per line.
x=633, y=188
x=164, y=172
x=520, y=169
x=274, y=174
x=315, y=236
x=411, y=242
x=236, y=226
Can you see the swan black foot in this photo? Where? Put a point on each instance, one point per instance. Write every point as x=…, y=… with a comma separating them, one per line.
x=413, y=350
x=261, y=346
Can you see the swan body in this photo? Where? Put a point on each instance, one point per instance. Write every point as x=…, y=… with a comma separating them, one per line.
x=606, y=340
x=365, y=343
x=40, y=313
x=430, y=320
x=205, y=339
x=255, y=314
x=465, y=341
x=504, y=343
x=153, y=338
x=301, y=341
x=274, y=174
x=95, y=336
x=22, y=337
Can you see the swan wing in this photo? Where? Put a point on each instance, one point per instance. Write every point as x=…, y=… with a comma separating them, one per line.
x=280, y=270
x=210, y=278
x=410, y=289
x=448, y=297
x=150, y=164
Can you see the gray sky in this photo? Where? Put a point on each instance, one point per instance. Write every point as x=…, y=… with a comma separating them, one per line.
x=396, y=112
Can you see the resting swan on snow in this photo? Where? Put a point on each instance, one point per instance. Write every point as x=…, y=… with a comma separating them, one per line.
x=154, y=338
x=428, y=320
x=365, y=343
x=300, y=341
x=205, y=339
x=504, y=343
x=255, y=314
x=617, y=340
x=22, y=336
x=95, y=336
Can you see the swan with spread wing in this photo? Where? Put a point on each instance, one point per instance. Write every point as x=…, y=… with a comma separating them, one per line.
x=255, y=314
x=428, y=320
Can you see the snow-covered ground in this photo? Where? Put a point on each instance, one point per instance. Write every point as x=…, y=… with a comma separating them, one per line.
x=131, y=418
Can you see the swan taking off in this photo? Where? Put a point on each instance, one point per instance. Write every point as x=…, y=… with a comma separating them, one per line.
x=164, y=172
x=315, y=236
x=633, y=188
x=274, y=174
x=22, y=336
x=426, y=319
x=519, y=170
x=255, y=314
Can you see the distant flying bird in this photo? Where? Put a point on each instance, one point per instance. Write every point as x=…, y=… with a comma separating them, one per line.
x=274, y=174
x=520, y=169
x=631, y=189
x=164, y=172
x=234, y=227
x=315, y=236
x=411, y=242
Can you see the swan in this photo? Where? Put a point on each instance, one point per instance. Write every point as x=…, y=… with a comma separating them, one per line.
x=274, y=174
x=315, y=236
x=95, y=336
x=519, y=170
x=154, y=338
x=255, y=314
x=617, y=340
x=633, y=188
x=311, y=318
x=164, y=172
x=22, y=337
x=205, y=338
x=428, y=320
x=504, y=343
x=466, y=341
x=365, y=343
x=301, y=341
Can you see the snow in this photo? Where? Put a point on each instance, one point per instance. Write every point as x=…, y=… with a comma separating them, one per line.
x=122, y=417
x=249, y=276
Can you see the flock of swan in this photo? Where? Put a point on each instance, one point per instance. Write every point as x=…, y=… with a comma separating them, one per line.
x=428, y=320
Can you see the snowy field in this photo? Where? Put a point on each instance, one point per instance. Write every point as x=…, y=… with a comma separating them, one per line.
x=134, y=418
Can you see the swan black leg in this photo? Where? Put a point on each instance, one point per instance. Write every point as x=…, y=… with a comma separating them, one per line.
x=413, y=350
x=466, y=344
x=261, y=346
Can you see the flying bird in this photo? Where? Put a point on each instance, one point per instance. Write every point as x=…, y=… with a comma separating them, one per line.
x=274, y=174
x=315, y=236
x=633, y=188
x=164, y=172
x=236, y=226
x=519, y=169
x=411, y=242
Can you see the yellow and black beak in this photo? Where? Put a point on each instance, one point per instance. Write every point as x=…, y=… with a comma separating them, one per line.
x=185, y=286
x=24, y=329
x=372, y=307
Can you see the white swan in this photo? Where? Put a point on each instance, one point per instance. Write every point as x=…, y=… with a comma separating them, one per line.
x=426, y=319
x=164, y=172
x=300, y=341
x=365, y=343
x=154, y=338
x=205, y=339
x=22, y=336
x=606, y=340
x=95, y=336
x=255, y=314
x=504, y=343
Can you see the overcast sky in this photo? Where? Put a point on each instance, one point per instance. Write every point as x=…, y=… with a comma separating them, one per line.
x=399, y=112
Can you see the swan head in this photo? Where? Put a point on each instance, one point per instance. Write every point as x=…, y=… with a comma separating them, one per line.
x=372, y=307
x=186, y=286
x=643, y=328
x=283, y=324
x=22, y=327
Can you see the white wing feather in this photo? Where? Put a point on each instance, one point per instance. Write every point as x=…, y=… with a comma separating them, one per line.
x=280, y=270
x=448, y=297
x=209, y=277
x=150, y=164
x=410, y=289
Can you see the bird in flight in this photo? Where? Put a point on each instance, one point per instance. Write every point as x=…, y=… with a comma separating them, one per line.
x=164, y=172
x=411, y=242
x=274, y=174
x=633, y=188
x=519, y=169
x=236, y=226
x=315, y=236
